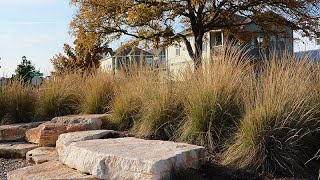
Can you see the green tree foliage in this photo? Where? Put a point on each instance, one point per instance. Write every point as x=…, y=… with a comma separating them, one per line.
x=25, y=70
x=154, y=20
x=85, y=55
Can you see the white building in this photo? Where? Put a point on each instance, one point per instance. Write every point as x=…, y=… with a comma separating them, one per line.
x=307, y=46
x=178, y=58
x=306, y=43
x=126, y=58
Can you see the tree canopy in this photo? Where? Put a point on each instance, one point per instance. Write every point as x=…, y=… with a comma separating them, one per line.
x=25, y=70
x=154, y=20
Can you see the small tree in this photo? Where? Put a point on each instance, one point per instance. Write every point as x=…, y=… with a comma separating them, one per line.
x=25, y=70
x=154, y=20
x=87, y=51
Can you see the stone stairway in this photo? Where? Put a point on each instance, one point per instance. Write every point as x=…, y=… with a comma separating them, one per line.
x=83, y=151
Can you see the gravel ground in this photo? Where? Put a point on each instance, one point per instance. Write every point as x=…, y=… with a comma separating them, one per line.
x=7, y=165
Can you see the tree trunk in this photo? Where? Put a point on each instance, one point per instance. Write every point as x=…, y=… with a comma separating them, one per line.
x=195, y=55
x=197, y=58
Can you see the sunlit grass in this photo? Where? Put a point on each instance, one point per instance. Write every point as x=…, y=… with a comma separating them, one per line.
x=278, y=133
x=162, y=110
x=97, y=93
x=59, y=96
x=213, y=104
x=18, y=103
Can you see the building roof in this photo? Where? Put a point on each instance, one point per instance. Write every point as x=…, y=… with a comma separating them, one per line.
x=155, y=51
x=110, y=51
x=131, y=51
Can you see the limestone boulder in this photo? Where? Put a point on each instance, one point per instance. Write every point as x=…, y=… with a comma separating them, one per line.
x=15, y=132
x=41, y=155
x=92, y=119
x=47, y=171
x=66, y=139
x=47, y=134
x=131, y=158
x=15, y=149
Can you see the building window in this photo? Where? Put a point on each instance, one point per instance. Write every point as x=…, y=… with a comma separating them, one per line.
x=177, y=49
x=218, y=38
x=215, y=39
x=282, y=44
x=318, y=38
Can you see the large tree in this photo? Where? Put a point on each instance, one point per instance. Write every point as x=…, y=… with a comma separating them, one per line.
x=154, y=20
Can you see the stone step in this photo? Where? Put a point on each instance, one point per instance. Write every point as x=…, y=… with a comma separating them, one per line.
x=41, y=155
x=52, y=170
x=47, y=134
x=16, y=132
x=15, y=149
x=66, y=139
x=131, y=158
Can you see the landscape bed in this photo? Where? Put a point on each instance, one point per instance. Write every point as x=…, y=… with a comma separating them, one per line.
x=259, y=120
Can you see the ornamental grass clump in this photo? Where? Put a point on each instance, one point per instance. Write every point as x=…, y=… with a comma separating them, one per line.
x=97, y=93
x=127, y=103
x=2, y=104
x=279, y=131
x=162, y=110
x=212, y=99
x=17, y=101
x=59, y=96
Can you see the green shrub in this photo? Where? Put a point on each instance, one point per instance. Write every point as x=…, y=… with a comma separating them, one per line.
x=278, y=133
x=97, y=93
x=17, y=101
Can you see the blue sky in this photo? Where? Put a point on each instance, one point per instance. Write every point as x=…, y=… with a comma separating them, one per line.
x=36, y=29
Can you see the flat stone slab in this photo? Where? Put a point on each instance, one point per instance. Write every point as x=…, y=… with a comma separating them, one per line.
x=131, y=158
x=47, y=134
x=53, y=170
x=41, y=155
x=15, y=149
x=79, y=118
x=15, y=132
x=65, y=140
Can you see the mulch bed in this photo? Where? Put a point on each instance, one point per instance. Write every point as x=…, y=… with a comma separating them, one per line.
x=7, y=165
x=212, y=171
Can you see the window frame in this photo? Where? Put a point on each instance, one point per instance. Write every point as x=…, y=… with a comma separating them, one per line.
x=216, y=39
